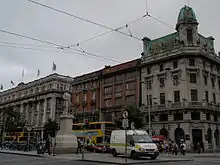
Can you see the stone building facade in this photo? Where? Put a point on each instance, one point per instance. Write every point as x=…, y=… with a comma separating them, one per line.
x=119, y=87
x=181, y=84
x=37, y=101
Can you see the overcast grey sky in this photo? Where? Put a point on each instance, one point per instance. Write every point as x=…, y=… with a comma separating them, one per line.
x=23, y=17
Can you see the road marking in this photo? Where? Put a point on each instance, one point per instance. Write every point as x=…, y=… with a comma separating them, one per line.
x=45, y=162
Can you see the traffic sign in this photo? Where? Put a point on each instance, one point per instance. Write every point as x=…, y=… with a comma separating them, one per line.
x=125, y=123
x=125, y=114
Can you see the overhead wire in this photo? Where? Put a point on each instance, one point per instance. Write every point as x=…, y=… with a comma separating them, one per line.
x=24, y=44
x=47, y=50
x=108, y=32
x=162, y=22
x=83, y=19
x=57, y=45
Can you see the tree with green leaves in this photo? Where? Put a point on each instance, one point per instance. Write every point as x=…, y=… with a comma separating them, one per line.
x=135, y=115
x=50, y=128
x=12, y=120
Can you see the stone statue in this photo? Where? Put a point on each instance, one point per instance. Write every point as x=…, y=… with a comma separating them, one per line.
x=67, y=102
x=66, y=141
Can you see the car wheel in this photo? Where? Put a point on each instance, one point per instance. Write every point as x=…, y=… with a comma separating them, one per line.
x=114, y=153
x=153, y=158
x=133, y=155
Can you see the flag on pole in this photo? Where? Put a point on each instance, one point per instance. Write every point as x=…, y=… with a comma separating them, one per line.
x=38, y=72
x=54, y=67
x=12, y=82
x=1, y=87
x=22, y=79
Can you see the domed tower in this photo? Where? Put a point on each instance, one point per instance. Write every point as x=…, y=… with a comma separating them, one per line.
x=187, y=26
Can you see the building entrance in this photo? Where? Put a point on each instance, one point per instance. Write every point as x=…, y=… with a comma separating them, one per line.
x=197, y=137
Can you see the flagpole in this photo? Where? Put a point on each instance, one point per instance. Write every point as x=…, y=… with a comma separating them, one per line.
x=22, y=76
x=38, y=73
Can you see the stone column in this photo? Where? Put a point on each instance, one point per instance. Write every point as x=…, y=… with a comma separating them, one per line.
x=32, y=114
x=45, y=111
x=22, y=112
x=213, y=141
x=53, y=107
x=27, y=112
x=38, y=113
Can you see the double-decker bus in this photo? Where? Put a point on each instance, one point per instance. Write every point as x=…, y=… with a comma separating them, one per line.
x=98, y=132
x=19, y=135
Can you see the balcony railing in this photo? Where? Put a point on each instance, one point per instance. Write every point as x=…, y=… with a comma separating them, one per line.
x=183, y=105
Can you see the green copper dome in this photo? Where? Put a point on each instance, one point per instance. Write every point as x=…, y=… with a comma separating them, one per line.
x=186, y=16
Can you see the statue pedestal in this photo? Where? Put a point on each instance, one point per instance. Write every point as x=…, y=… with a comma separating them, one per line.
x=66, y=141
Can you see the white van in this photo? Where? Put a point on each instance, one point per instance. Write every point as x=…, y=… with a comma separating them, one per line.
x=139, y=143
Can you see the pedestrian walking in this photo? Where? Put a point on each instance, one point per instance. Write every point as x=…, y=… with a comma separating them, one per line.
x=47, y=146
x=175, y=149
x=183, y=148
x=79, y=147
x=199, y=148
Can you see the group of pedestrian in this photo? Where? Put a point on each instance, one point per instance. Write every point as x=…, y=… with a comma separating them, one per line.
x=174, y=148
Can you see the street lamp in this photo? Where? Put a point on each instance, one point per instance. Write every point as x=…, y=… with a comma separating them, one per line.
x=3, y=131
x=83, y=105
x=149, y=111
x=29, y=128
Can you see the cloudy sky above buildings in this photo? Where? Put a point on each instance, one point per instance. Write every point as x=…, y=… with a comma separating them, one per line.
x=23, y=17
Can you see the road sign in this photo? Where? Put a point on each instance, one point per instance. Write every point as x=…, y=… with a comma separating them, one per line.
x=125, y=123
x=125, y=114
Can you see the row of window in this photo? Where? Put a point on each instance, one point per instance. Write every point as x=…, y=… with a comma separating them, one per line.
x=85, y=96
x=33, y=90
x=191, y=61
x=211, y=66
x=192, y=79
x=129, y=100
x=162, y=82
x=120, y=87
x=121, y=77
x=179, y=116
x=91, y=84
x=176, y=94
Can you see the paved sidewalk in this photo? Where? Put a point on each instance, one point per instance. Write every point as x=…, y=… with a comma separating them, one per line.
x=30, y=153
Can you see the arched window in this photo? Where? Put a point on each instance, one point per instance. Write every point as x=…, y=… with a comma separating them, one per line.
x=190, y=36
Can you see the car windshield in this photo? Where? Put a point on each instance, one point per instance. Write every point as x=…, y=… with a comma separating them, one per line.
x=142, y=139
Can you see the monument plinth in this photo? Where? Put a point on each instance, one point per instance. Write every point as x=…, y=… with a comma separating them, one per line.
x=66, y=141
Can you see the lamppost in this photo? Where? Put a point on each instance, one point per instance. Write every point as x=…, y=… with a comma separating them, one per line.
x=83, y=105
x=29, y=128
x=3, y=130
x=149, y=110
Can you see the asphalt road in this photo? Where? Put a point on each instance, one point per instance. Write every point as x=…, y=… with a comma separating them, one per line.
x=197, y=161
x=6, y=159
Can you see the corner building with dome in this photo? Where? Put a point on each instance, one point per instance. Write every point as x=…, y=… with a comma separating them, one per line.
x=180, y=77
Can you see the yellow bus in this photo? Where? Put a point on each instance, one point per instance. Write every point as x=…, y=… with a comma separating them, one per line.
x=98, y=132
x=20, y=137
